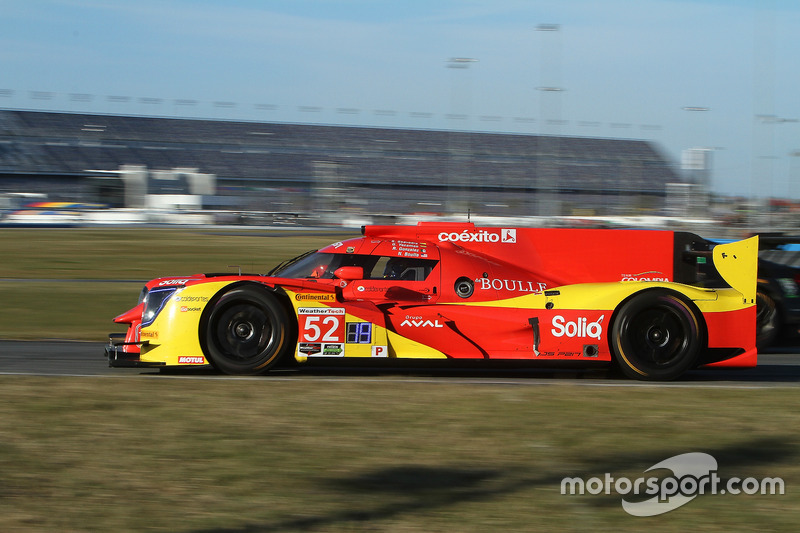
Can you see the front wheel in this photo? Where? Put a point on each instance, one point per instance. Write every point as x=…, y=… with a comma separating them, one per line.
x=246, y=331
x=656, y=336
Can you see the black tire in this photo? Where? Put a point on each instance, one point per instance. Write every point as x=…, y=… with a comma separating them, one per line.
x=656, y=336
x=768, y=319
x=246, y=331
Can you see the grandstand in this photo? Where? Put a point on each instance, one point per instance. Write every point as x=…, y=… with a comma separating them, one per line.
x=293, y=167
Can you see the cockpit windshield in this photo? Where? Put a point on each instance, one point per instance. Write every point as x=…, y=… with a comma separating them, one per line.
x=321, y=265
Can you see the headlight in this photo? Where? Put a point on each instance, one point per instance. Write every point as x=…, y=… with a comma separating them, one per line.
x=154, y=301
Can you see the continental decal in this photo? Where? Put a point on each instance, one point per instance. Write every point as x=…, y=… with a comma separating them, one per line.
x=147, y=334
x=313, y=297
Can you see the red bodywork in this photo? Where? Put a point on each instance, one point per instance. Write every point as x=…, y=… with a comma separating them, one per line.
x=500, y=266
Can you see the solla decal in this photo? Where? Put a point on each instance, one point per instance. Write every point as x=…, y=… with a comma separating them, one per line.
x=581, y=327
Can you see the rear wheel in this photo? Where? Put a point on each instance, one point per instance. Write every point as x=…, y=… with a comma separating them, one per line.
x=656, y=336
x=767, y=319
x=246, y=331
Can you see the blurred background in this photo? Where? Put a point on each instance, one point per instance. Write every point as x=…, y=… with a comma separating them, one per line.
x=660, y=113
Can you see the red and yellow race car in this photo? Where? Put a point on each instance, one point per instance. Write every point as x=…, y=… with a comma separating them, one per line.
x=655, y=303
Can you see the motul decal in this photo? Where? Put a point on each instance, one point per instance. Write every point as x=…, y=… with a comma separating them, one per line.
x=191, y=360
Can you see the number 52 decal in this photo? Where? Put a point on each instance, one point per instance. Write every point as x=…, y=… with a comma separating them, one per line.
x=321, y=324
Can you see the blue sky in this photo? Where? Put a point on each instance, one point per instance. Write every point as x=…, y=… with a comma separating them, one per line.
x=627, y=68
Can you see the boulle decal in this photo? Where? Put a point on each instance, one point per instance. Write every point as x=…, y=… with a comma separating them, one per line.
x=510, y=285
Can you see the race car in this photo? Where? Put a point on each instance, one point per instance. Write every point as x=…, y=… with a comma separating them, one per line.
x=778, y=289
x=653, y=303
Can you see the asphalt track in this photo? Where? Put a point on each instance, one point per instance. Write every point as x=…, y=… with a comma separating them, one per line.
x=778, y=367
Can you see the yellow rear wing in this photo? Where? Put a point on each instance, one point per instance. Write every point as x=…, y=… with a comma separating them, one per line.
x=737, y=263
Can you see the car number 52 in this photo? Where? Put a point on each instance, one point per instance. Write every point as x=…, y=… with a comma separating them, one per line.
x=322, y=328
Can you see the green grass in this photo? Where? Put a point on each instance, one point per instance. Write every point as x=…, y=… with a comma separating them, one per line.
x=169, y=454
x=37, y=309
x=147, y=253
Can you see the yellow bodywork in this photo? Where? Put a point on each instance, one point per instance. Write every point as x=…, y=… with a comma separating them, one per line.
x=174, y=337
x=737, y=263
x=384, y=343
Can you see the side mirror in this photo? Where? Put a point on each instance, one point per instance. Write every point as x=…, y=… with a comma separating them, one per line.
x=349, y=273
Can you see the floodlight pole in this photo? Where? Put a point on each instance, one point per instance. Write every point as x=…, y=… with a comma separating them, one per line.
x=546, y=197
x=460, y=155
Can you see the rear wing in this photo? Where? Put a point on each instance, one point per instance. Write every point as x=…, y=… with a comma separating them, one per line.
x=703, y=263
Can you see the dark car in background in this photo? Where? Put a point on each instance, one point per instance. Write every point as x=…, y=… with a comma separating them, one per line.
x=778, y=296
